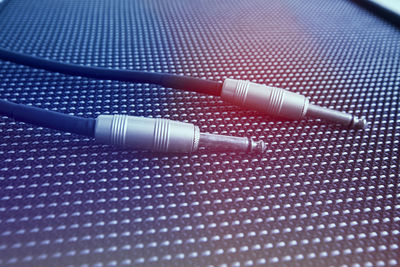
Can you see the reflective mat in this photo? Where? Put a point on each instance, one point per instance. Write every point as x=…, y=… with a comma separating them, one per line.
x=321, y=195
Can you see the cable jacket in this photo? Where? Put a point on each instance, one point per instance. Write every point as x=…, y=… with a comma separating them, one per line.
x=163, y=79
x=47, y=118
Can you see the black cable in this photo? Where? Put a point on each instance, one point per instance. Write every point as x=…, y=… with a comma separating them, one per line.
x=85, y=126
x=167, y=80
x=47, y=118
x=269, y=100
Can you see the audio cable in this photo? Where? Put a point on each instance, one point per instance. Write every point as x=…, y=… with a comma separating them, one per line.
x=265, y=99
x=125, y=131
x=161, y=134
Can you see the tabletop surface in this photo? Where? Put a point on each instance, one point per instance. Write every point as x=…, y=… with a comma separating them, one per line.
x=320, y=195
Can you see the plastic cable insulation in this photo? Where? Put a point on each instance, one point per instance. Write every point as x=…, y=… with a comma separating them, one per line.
x=163, y=79
x=47, y=118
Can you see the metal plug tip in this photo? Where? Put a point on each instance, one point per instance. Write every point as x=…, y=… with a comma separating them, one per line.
x=257, y=146
x=359, y=123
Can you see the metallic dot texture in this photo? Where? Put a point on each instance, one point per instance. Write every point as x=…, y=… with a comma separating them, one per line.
x=320, y=195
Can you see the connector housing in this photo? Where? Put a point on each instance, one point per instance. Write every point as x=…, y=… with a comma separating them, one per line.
x=266, y=99
x=147, y=133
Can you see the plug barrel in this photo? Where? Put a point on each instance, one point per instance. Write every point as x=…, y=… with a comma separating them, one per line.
x=335, y=116
x=230, y=143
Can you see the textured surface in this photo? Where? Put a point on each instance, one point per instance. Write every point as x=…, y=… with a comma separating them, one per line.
x=321, y=195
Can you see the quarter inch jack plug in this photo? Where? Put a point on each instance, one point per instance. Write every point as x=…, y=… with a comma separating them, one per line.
x=165, y=135
x=279, y=102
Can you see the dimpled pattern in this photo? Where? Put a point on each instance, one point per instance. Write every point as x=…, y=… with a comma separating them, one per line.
x=320, y=195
